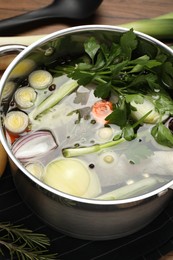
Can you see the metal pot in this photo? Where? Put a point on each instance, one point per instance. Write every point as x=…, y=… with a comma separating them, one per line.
x=74, y=216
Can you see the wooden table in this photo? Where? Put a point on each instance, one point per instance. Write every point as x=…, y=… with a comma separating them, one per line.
x=112, y=12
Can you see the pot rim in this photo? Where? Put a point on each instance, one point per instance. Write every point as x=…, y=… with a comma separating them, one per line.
x=157, y=192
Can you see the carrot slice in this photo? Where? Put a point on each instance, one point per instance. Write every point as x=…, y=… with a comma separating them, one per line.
x=101, y=109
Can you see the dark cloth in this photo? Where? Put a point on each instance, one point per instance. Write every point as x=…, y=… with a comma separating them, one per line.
x=151, y=242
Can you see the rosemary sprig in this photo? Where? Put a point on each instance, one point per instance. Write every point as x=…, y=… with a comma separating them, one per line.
x=24, y=243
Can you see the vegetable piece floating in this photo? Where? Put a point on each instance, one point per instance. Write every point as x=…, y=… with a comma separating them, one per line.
x=142, y=109
x=94, y=122
x=132, y=189
x=36, y=169
x=100, y=110
x=105, y=133
x=8, y=89
x=16, y=122
x=33, y=145
x=79, y=151
x=25, y=97
x=22, y=68
x=40, y=79
x=54, y=98
x=72, y=176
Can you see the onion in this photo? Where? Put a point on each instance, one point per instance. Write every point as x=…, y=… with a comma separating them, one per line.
x=72, y=176
x=145, y=107
x=35, y=169
x=33, y=145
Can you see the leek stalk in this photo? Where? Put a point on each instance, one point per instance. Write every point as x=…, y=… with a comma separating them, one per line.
x=160, y=27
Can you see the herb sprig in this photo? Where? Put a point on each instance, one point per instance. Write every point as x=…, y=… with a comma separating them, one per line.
x=121, y=69
x=23, y=243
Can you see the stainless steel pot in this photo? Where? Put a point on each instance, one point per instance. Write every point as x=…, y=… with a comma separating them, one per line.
x=74, y=216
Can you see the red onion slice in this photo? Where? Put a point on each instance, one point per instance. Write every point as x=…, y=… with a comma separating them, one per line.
x=33, y=145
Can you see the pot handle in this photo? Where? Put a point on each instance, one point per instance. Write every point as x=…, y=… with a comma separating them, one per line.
x=10, y=51
x=11, y=48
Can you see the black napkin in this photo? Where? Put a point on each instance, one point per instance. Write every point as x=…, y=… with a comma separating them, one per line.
x=151, y=242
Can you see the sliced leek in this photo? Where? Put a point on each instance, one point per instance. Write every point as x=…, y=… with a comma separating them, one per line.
x=25, y=97
x=16, y=122
x=40, y=79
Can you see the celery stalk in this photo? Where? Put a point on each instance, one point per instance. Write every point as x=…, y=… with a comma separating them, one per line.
x=78, y=151
x=134, y=189
x=55, y=98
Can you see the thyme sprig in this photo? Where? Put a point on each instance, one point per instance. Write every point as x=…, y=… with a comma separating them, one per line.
x=22, y=243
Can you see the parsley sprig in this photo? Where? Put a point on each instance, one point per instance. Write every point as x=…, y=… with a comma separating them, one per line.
x=123, y=70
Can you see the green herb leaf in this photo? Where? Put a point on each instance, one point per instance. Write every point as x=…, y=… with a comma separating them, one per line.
x=99, y=63
x=118, y=117
x=115, y=69
x=112, y=54
x=91, y=48
x=128, y=43
x=103, y=90
x=162, y=135
x=167, y=74
x=120, y=114
x=139, y=99
x=128, y=132
x=164, y=104
x=82, y=77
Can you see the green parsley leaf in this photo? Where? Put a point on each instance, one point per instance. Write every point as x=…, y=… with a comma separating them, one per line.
x=128, y=132
x=91, y=47
x=120, y=114
x=167, y=74
x=100, y=62
x=118, y=117
x=112, y=54
x=139, y=99
x=82, y=77
x=164, y=104
x=116, y=68
x=103, y=90
x=162, y=135
x=128, y=43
